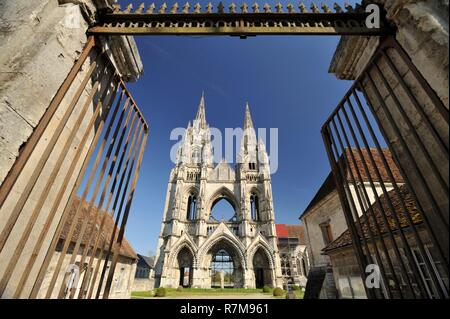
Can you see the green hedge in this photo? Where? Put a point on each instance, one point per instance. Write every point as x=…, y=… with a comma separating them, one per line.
x=267, y=289
x=160, y=292
x=180, y=288
x=277, y=292
x=295, y=287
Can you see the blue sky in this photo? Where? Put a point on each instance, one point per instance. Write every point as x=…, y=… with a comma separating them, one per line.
x=285, y=80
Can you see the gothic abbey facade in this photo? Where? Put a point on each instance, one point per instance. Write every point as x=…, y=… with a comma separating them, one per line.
x=196, y=248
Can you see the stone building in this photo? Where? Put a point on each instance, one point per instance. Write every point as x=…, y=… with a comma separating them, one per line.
x=195, y=245
x=345, y=266
x=324, y=218
x=70, y=281
x=144, y=279
x=293, y=254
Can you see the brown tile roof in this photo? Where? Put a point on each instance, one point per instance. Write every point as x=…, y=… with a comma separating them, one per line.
x=329, y=186
x=345, y=238
x=108, y=227
x=291, y=231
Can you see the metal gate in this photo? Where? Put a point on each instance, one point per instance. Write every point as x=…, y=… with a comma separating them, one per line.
x=65, y=202
x=387, y=143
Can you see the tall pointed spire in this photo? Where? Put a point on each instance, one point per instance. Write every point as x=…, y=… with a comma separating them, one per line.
x=201, y=114
x=248, y=123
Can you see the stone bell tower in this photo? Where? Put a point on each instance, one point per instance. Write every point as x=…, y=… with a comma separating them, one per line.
x=191, y=236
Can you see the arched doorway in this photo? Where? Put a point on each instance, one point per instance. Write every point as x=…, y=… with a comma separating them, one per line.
x=222, y=269
x=185, y=266
x=224, y=259
x=262, y=269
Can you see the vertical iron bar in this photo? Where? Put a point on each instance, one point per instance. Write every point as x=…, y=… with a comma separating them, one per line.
x=351, y=226
x=61, y=192
x=111, y=169
x=125, y=217
x=357, y=217
x=121, y=203
x=412, y=129
x=50, y=253
x=442, y=142
x=119, y=213
x=29, y=147
x=396, y=189
x=45, y=191
x=388, y=200
x=42, y=160
x=402, y=141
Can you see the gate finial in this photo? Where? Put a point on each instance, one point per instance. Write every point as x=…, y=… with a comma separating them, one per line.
x=290, y=8
x=140, y=8
x=163, y=8
x=337, y=8
x=174, y=8
x=279, y=7
x=348, y=7
x=267, y=8
x=220, y=7
x=314, y=8
x=209, y=7
x=129, y=8
x=186, y=7
x=197, y=8
x=255, y=7
x=244, y=8
x=302, y=8
x=116, y=8
x=151, y=8
x=326, y=8
x=232, y=8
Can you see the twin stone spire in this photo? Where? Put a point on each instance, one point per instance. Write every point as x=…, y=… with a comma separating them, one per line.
x=201, y=115
x=197, y=142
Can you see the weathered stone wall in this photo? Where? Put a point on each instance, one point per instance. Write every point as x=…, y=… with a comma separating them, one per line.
x=121, y=285
x=143, y=284
x=347, y=275
x=329, y=210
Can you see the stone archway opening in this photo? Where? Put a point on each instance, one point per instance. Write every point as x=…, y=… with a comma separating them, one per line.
x=223, y=209
x=262, y=269
x=225, y=262
x=222, y=270
x=185, y=261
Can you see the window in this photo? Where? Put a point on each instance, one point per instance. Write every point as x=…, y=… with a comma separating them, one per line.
x=327, y=234
x=222, y=266
x=254, y=207
x=191, y=207
x=252, y=166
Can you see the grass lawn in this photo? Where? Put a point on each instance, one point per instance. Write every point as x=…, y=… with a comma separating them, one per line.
x=172, y=292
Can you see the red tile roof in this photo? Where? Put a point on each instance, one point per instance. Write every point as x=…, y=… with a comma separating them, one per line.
x=291, y=231
x=329, y=186
x=367, y=220
x=108, y=227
